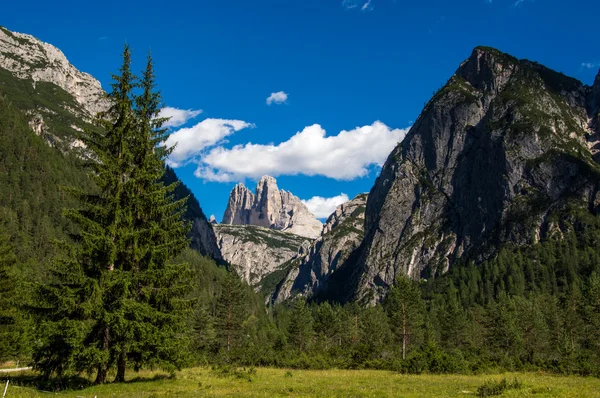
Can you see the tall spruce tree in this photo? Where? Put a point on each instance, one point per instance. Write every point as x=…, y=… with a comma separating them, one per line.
x=154, y=325
x=406, y=311
x=115, y=295
x=300, y=330
x=230, y=312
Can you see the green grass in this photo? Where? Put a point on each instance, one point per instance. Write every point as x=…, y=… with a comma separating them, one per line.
x=266, y=382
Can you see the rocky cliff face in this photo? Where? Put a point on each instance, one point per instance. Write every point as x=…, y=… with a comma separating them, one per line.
x=270, y=208
x=29, y=58
x=501, y=147
x=202, y=235
x=342, y=234
x=255, y=252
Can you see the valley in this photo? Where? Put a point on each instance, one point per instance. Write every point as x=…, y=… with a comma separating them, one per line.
x=470, y=267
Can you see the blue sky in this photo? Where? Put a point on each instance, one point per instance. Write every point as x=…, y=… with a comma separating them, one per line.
x=343, y=65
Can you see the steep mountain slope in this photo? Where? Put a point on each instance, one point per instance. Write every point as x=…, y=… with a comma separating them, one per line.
x=31, y=59
x=31, y=200
x=202, y=236
x=56, y=102
x=256, y=252
x=270, y=208
x=501, y=148
x=342, y=234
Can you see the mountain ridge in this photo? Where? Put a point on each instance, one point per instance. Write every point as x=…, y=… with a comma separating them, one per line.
x=502, y=145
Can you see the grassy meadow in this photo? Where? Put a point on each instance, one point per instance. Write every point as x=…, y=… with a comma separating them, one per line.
x=267, y=382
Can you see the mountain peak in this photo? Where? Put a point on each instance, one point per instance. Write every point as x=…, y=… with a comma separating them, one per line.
x=271, y=208
x=492, y=155
x=26, y=57
x=267, y=180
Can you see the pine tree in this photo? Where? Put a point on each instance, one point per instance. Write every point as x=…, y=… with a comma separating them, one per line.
x=300, y=329
x=230, y=312
x=117, y=293
x=153, y=313
x=406, y=311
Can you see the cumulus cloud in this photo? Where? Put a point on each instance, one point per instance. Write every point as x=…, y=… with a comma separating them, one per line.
x=178, y=117
x=323, y=207
x=590, y=65
x=277, y=98
x=345, y=156
x=190, y=142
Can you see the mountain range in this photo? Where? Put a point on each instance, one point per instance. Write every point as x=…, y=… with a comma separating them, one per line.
x=498, y=155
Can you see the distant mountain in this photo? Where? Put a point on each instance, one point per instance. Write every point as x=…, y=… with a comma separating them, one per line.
x=270, y=208
x=257, y=252
x=503, y=154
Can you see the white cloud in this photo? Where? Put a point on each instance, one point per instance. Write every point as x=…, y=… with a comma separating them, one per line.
x=323, y=207
x=367, y=6
x=278, y=98
x=590, y=65
x=351, y=4
x=178, y=117
x=345, y=156
x=191, y=141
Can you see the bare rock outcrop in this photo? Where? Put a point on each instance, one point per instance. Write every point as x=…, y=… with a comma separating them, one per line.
x=342, y=235
x=27, y=57
x=255, y=252
x=271, y=208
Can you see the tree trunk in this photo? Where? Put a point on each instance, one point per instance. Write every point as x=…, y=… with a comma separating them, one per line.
x=121, y=365
x=403, y=333
x=101, y=377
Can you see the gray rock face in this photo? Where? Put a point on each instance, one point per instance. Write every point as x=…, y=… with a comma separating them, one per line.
x=203, y=239
x=493, y=154
x=202, y=236
x=29, y=58
x=255, y=252
x=270, y=208
x=342, y=234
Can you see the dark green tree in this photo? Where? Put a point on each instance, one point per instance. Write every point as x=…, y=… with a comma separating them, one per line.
x=116, y=295
x=13, y=327
x=152, y=328
x=230, y=312
x=406, y=311
x=300, y=329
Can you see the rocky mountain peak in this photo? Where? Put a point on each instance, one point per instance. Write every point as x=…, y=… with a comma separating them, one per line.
x=487, y=69
x=271, y=208
x=493, y=154
x=345, y=210
x=26, y=57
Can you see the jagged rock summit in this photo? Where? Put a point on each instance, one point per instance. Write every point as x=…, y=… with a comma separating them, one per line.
x=496, y=157
x=27, y=57
x=271, y=208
